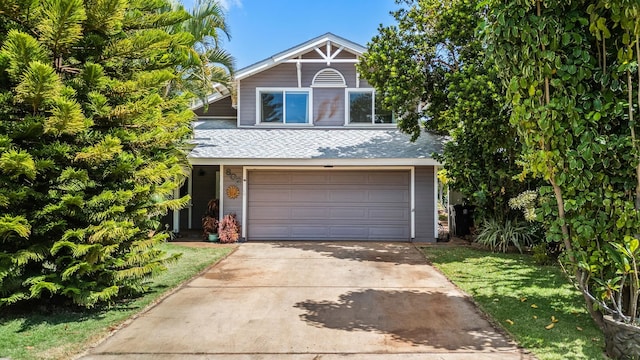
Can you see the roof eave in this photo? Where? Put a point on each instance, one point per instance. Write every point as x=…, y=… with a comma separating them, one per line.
x=319, y=162
x=218, y=95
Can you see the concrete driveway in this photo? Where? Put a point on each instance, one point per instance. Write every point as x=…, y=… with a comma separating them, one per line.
x=313, y=301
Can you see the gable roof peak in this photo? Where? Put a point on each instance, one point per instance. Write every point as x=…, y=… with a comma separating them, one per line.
x=301, y=49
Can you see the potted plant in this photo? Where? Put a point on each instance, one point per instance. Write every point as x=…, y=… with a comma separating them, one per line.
x=210, y=221
x=229, y=229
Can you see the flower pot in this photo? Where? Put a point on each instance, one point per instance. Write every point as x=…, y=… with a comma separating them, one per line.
x=622, y=341
x=213, y=237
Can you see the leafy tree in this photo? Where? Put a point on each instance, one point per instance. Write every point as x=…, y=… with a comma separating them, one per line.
x=90, y=145
x=208, y=65
x=571, y=69
x=431, y=69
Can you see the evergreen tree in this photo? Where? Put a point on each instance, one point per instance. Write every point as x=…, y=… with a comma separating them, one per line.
x=91, y=145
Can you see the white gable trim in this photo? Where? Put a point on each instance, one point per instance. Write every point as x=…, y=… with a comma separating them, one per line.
x=314, y=44
x=210, y=99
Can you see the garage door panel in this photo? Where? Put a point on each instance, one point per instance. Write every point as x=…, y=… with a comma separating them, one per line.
x=347, y=195
x=387, y=232
x=270, y=177
x=328, y=205
x=386, y=213
x=381, y=178
x=348, y=213
x=388, y=195
x=273, y=232
x=309, y=232
x=267, y=212
x=306, y=213
x=349, y=232
x=270, y=195
x=302, y=178
x=347, y=178
x=308, y=195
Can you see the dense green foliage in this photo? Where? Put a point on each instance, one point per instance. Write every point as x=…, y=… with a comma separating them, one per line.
x=553, y=86
x=59, y=333
x=432, y=70
x=522, y=298
x=90, y=145
x=571, y=70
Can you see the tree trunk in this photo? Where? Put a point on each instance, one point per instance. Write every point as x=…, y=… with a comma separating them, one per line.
x=596, y=315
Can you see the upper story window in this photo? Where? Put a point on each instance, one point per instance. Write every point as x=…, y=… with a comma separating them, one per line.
x=283, y=106
x=364, y=108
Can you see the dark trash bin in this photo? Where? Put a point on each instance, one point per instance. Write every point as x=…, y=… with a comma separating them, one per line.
x=463, y=216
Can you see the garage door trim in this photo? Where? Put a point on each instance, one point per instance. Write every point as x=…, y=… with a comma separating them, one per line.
x=411, y=169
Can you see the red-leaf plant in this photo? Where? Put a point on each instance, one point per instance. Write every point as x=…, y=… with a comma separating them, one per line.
x=229, y=229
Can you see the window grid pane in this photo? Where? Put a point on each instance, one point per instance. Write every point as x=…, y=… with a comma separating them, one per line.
x=284, y=107
x=297, y=107
x=272, y=107
x=382, y=116
x=360, y=107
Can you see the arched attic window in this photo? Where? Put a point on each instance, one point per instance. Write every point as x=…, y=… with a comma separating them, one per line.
x=328, y=78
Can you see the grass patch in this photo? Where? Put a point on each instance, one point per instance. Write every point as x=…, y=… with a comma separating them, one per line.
x=63, y=333
x=522, y=298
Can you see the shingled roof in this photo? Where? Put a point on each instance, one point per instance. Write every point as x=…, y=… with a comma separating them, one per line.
x=216, y=139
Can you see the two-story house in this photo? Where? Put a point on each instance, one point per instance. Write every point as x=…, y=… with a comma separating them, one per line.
x=306, y=153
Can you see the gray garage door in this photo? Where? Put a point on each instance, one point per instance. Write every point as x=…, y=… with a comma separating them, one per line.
x=328, y=205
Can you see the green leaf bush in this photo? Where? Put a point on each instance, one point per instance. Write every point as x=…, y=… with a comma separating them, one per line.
x=572, y=79
x=431, y=69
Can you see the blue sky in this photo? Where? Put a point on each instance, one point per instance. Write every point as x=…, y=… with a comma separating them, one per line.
x=261, y=28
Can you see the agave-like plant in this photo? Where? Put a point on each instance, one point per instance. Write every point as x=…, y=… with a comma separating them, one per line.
x=499, y=235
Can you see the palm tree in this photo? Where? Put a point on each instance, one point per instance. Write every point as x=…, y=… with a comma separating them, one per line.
x=209, y=68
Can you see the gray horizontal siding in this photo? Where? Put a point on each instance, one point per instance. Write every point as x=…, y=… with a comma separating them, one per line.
x=220, y=108
x=283, y=75
x=232, y=175
x=328, y=109
x=425, y=211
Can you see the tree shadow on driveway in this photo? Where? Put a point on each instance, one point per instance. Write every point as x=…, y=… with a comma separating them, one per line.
x=432, y=319
x=395, y=253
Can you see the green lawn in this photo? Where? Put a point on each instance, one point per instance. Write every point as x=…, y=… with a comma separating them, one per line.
x=522, y=297
x=59, y=335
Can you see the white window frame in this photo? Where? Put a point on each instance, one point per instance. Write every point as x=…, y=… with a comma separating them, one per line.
x=260, y=90
x=347, y=109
